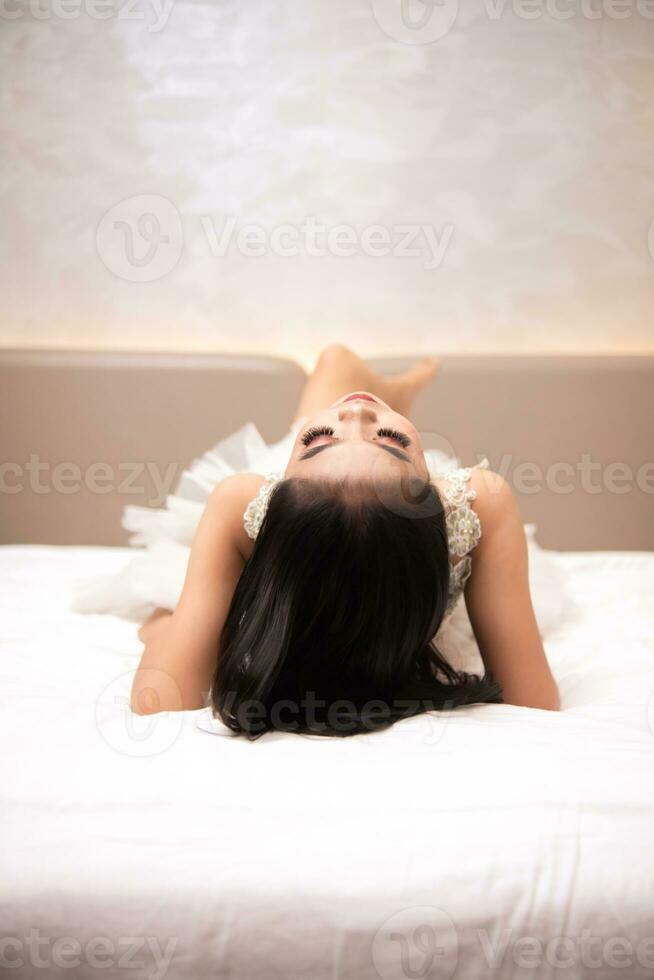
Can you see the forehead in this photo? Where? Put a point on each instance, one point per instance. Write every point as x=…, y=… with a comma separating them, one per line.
x=358, y=457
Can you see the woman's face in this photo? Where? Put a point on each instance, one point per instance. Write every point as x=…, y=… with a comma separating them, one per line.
x=360, y=437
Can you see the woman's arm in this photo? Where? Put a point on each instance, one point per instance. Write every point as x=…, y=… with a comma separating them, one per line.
x=180, y=653
x=499, y=601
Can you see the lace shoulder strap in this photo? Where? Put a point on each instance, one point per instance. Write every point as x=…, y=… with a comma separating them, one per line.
x=256, y=509
x=462, y=523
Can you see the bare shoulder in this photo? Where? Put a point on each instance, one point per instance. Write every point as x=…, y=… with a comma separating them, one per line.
x=236, y=489
x=227, y=504
x=495, y=501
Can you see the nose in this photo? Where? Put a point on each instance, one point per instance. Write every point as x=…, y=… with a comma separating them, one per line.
x=361, y=412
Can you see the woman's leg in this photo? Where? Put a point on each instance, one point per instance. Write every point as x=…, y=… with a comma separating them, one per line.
x=339, y=371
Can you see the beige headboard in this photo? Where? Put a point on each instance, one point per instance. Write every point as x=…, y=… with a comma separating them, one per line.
x=143, y=416
x=571, y=434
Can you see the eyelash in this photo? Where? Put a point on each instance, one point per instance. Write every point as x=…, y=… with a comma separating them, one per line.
x=321, y=430
x=326, y=430
x=403, y=440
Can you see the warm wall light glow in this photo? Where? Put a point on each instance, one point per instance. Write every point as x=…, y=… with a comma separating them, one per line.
x=320, y=177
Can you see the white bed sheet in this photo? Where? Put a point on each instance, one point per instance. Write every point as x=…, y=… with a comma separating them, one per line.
x=491, y=841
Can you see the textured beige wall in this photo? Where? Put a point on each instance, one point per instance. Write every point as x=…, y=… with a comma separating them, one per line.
x=513, y=139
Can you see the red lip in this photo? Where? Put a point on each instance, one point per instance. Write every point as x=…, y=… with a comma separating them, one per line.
x=359, y=394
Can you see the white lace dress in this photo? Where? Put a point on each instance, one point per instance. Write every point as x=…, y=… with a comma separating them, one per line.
x=163, y=536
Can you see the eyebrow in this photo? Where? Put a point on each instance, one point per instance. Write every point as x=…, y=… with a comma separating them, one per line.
x=393, y=450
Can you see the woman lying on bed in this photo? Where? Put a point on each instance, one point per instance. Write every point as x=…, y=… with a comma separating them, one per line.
x=312, y=597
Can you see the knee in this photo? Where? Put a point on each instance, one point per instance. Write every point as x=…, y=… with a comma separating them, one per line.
x=335, y=355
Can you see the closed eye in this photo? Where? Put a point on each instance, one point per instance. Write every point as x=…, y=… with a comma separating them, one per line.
x=400, y=437
x=315, y=432
x=392, y=450
x=326, y=430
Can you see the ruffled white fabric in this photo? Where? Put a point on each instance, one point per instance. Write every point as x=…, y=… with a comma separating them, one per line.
x=155, y=576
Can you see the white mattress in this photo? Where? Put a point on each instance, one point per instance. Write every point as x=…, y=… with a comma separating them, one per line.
x=465, y=844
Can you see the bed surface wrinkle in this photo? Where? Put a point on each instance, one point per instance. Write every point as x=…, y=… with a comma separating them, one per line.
x=323, y=839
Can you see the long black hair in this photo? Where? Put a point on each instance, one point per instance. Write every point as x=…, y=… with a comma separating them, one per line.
x=331, y=624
